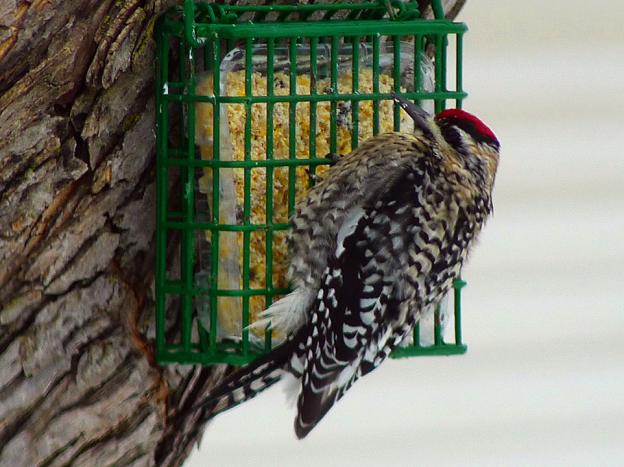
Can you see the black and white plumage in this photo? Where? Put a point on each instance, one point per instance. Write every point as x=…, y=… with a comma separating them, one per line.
x=374, y=245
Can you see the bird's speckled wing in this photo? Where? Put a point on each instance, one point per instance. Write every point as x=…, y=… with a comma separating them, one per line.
x=374, y=288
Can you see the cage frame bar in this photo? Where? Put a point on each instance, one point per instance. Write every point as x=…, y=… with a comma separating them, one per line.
x=211, y=35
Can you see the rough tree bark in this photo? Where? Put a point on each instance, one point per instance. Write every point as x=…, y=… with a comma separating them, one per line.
x=78, y=380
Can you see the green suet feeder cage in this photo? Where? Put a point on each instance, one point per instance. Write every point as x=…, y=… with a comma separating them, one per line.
x=251, y=101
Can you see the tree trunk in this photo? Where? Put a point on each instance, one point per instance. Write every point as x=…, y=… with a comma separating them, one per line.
x=78, y=380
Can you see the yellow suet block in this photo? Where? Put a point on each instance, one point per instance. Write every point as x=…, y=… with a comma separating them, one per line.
x=232, y=181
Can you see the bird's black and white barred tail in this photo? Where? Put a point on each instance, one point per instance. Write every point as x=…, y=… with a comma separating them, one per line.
x=251, y=380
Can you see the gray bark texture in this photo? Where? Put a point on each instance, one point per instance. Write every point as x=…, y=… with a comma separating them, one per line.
x=79, y=384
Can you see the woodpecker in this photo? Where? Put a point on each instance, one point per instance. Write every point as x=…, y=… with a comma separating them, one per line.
x=374, y=246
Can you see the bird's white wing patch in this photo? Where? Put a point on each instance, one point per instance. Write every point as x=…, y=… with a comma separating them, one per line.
x=347, y=228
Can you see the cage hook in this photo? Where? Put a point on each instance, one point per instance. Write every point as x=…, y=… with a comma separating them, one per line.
x=438, y=9
x=189, y=24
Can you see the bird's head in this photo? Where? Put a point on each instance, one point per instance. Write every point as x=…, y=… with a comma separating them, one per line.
x=471, y=140
x=460, y=136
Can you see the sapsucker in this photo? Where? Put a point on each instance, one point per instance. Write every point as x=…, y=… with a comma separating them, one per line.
x=375, y=245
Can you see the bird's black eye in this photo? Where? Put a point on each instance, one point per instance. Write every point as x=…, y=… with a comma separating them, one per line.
x=453, y=137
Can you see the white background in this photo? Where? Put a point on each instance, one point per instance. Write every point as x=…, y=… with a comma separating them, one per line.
x=543, y=380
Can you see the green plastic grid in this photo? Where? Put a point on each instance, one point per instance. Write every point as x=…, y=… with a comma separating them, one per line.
x=204, y=33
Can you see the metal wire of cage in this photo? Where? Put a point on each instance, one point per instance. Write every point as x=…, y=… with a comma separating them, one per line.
x=317, y=43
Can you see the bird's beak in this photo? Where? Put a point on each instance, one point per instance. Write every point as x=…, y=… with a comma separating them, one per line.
x=419, y=115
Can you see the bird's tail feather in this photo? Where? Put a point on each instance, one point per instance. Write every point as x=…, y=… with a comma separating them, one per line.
x=249, y=381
